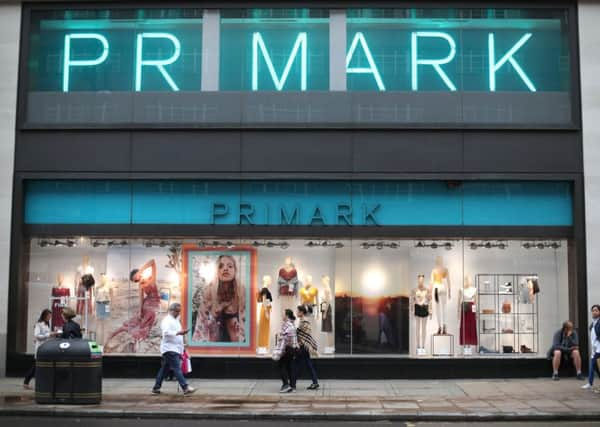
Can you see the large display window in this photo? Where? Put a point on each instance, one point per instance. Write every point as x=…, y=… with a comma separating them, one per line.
x=395, y=297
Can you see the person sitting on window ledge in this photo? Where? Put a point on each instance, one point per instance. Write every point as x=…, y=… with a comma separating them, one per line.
x=565, y=344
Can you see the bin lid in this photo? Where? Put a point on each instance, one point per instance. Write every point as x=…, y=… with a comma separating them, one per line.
x=67, y=349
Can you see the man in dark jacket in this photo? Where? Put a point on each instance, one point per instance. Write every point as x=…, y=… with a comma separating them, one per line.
x=595, y=344
x=70, y=329
x=565, y=344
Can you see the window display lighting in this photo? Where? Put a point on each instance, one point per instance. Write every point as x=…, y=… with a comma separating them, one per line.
x=323, y=244
x=57, y=243
x=434, y=245
x=541, y=245
x=500, y=244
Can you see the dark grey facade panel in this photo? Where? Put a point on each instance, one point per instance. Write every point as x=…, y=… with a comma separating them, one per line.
x=410, y=151
x=527, y=152
x=73, y=151
x=190, y=151
x=289, y=151
x=298, y=109
x=301, y=152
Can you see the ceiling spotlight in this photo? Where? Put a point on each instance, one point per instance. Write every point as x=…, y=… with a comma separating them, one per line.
x=163, y=244
x=310, y=244
x=216, y=243
x=324, y=243
x=284, y=245
x=365, y=245
x=501, y=245
x=526, y=245
x=433, y=245
x=420, y=244
x=270, y=244
x=448, y=246
x=148, y=243
x=43, y=243
x=256, y=244
x=555, y=245
x=379, y=245
x=393, y=245
x=487, y=245
x=229, y=244
x=540, y=245
x=339, y=245
x=473, y=245
x=201, y=244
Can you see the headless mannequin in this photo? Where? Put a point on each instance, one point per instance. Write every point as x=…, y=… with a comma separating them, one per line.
x=264, y=318
x=103, y=297
x=61, y=300
x=421, y=310
x=327, y=312
x=440, y=290
x=309, y=295
x=288, y=279
x=466, y=295
x=81, y=291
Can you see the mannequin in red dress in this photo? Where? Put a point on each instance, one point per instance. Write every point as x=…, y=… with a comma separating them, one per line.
x=60, y=302
x=138, y=327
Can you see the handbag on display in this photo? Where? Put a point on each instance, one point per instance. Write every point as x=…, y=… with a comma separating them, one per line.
x=506, y=307
x=507, y=349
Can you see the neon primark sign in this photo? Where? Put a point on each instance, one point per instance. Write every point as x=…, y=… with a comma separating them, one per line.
x=76, y=57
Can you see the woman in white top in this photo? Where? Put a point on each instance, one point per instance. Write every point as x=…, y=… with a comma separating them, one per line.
x=41, y=334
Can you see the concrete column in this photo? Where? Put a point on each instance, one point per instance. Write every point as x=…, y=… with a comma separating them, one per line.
x=10, y=27
x=337, y=50
x=589, y=41
x=211, y=35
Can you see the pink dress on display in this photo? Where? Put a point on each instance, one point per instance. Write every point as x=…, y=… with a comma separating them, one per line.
x=58, y=304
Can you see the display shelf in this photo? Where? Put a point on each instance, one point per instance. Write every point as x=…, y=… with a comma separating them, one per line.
x=522, y=319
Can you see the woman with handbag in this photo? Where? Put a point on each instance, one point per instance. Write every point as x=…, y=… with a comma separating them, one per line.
x=285, y=352
x=307, y=346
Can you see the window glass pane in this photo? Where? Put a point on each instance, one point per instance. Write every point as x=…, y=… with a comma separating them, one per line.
x=274, y=49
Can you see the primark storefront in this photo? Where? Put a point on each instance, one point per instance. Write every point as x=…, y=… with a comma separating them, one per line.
x=413, y=175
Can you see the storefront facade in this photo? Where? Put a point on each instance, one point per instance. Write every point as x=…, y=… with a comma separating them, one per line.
x=413, y=175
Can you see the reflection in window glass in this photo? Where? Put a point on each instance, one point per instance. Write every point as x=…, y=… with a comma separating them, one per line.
x=457, y=49
x=274, y=49
x=115, y=50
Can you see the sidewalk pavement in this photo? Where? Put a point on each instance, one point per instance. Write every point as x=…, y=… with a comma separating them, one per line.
x=399, y=400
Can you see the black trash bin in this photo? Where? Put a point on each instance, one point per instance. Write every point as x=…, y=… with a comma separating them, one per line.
x=68, y=371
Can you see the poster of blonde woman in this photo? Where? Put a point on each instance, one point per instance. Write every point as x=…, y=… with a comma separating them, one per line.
x=220, y=283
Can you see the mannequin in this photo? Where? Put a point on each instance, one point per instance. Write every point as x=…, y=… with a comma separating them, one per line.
x=309, y=296
x=83, y=269
x=327, y=314
x=466, y=313
x=62, y=295
x=421, y=309
x=103, y=298
x=288, y=278
x=440, y=289
x=264, y=319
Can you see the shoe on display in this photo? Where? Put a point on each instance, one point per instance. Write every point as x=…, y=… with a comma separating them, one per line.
x=189, y=390
x=285, y=389
x=507, y=285
x=586, y=386
x=525, y=349
x=555, y=377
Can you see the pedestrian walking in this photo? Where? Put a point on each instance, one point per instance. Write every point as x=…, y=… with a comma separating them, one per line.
x=565, y=344
x=285, y=352
x=171, y=349
x=41, y=334
x=595, y=343
x=71, y=329
x=307, y=346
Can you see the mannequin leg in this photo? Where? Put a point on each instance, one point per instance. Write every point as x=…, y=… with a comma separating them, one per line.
x=418, y=331
x=423, y=331
x=438, y=313
x=443, y=303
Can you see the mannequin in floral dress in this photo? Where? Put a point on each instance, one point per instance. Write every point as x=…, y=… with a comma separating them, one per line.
x=138, y=327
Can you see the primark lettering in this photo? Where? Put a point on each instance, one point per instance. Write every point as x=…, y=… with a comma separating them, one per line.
x=299, y=53
x=253, y=214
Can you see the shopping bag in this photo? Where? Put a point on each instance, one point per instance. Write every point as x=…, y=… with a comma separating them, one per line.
x=186, y=363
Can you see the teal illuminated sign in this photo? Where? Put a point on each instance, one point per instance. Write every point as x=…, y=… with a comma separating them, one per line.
x=485, y=55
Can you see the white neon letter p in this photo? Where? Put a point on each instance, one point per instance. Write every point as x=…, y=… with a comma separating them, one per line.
x=68, y=62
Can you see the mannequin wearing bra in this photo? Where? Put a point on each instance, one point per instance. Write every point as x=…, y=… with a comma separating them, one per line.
x=308, y=295
x=440, y=289
x=466, y=314
x=264, y=319
x=421, y=309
